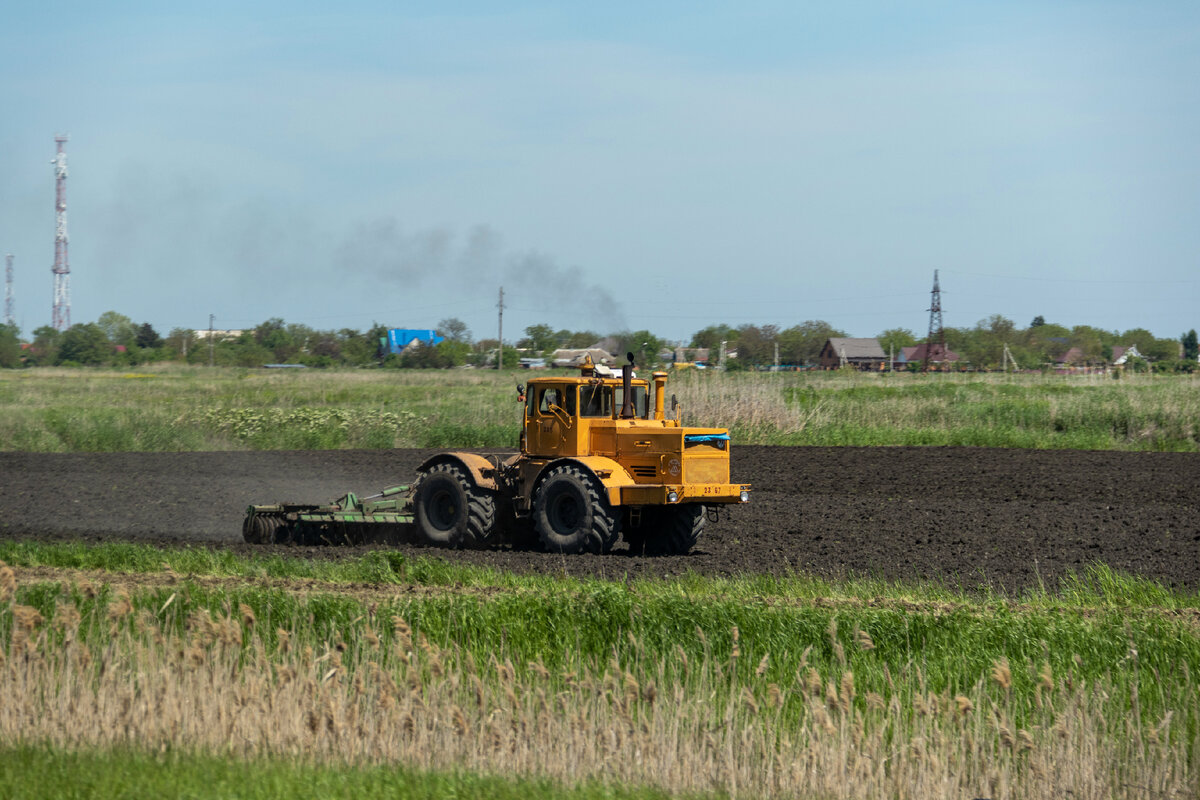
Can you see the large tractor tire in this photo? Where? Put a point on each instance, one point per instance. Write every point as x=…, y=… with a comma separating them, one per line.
x=667, y=530
x=451, y=510
x=572, y=515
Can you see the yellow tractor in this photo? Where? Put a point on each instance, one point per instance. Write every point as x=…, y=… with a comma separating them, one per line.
x=600, y=459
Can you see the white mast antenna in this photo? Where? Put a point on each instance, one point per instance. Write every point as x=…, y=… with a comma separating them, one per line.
x=61, y=318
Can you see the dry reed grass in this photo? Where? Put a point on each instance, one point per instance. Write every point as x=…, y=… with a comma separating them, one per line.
x=1086, y=411
x=218, y=685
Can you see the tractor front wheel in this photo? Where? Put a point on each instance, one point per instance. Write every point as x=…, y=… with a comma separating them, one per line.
x=451, y=510
x=668, y=530
x=572, y=515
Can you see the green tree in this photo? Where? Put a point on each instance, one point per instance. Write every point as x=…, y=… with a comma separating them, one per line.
x=118, y=329
x=1135, y=364
x=44, y=349
x=10, y=347
x=578, y=339
x=1091, y=343
x=712, y=336
x=245, y=352
x=893, y=339
x=756, y=346
x=454, y=329
x=360, y=349
x=801, y=344
x=279, y=338
x=376, y=336
x=983, y=345
x=1162, y=350
x=644, y=345
x=324, y=349
x=1191, y=346
x=147, y=338
x=1140, y=337
x=1048, y=341
x=180, y=342
x=452, y=353
x=1038, y=321
x=541, y=339
x=85, y=344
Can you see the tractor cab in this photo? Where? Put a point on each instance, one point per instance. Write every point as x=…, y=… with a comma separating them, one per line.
x=581, y=416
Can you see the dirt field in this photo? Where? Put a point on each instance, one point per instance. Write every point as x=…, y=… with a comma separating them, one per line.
x=965, y=516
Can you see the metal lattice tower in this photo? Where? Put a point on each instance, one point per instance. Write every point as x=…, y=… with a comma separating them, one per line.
x=937, y=334
x=10, y=317
x=61, y=318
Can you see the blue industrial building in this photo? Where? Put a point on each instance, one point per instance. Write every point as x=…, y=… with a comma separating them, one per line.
x=400, y=338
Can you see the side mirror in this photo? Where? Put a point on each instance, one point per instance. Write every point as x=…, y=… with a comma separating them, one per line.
x=520, y=393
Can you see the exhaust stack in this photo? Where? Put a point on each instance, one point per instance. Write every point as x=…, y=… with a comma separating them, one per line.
x=627, y=388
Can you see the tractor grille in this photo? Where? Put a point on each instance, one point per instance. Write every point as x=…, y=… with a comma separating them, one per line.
x=707, y=470
x=644, y=471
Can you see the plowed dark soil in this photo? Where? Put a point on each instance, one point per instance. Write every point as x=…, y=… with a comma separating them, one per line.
x=972, y=517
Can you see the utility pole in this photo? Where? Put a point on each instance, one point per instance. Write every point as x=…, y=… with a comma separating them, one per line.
x=210, y=339
x=1008, y=359
x=777, y=356
x=722, y=354
x=9, y=316
x=892, y=357
x=500, y=332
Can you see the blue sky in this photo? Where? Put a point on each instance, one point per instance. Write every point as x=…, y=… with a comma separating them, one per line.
x=615, y=166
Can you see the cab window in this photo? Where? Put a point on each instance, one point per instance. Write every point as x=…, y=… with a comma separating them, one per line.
x=595, y=401
x=563, y=397
x=641, y=399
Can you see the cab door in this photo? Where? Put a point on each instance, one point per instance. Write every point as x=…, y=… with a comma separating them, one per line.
x=551, y=419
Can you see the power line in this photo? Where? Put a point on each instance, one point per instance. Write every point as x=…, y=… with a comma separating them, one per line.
x=1140, y=282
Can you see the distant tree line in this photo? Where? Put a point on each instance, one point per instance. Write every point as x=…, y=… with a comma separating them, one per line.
x=980, y=347
x=116, y=340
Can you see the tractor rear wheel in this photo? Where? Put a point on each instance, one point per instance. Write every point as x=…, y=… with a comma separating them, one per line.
x=668, y=530
x=572, y=515
x=451, y=510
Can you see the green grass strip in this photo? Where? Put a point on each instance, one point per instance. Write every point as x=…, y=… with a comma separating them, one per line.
x=1097, y=587
x=38, y=773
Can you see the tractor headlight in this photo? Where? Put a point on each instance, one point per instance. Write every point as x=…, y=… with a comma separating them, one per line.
x=745, y=496
x=672, y=496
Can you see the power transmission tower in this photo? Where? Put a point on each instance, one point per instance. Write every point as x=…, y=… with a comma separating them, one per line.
x=937, y=334
x=61, y=317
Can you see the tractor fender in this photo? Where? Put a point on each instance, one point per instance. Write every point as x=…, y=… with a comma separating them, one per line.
x=481, y=470
x=608, y=472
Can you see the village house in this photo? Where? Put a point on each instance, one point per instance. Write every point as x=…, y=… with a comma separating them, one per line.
x=858, y=353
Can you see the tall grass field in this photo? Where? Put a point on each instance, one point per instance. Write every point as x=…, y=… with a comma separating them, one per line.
x=183, y=409
x=462, y=677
